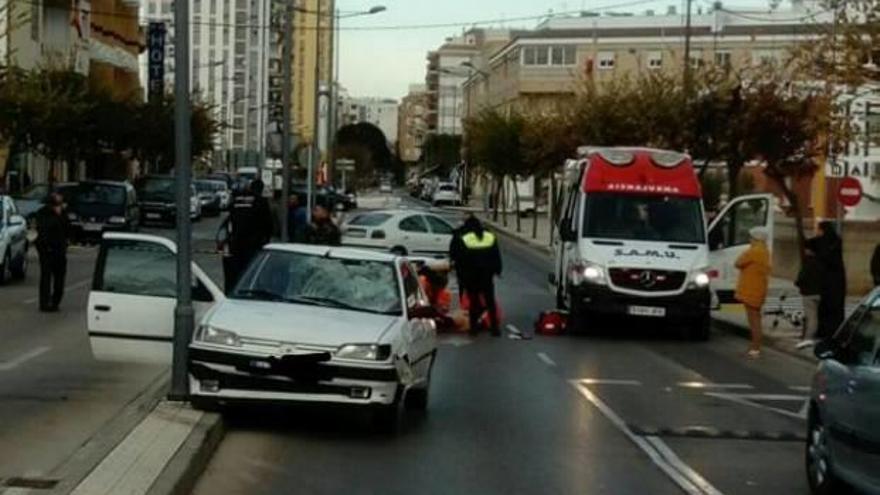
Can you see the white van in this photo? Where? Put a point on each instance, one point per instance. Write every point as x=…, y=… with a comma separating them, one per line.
x=632, y=239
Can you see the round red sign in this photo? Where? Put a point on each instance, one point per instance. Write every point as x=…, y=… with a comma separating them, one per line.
x=850, y=191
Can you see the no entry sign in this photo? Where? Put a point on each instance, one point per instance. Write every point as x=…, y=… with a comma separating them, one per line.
x=850, y=191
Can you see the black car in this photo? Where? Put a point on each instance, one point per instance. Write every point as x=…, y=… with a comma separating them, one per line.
x=31, y=200
x=95, y=207
x=157, y=200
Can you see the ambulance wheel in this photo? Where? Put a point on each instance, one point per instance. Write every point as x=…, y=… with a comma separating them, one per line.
x=560, y=299
x=576, y=317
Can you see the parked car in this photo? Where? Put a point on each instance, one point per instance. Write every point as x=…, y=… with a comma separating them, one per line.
x=404, y=232
x=305, y=324
x=98, y=206
x=446, y=193
x=213, y=196
x=226, y=177
x=31, y=200
x=13, y=241
x=157, y=194
x=385, y=187
x=843, y=438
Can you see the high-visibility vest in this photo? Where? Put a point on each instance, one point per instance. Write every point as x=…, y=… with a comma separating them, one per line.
x=471, y=241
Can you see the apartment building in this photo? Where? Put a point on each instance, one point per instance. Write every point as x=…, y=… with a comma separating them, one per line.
x=542, y=65
x=412, y=123
x=381, y=112
x=313, y=35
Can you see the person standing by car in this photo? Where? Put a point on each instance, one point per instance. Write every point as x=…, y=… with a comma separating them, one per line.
x=51, y=246
x=751, y=289
x=478, y=265
x=249, y=227
x=296, y=219
x=809, y=282
x=832, y=304
x=322, y=231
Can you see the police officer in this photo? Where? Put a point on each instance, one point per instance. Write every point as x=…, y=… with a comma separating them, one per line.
x=479, y=263
x=52, y=248
x=249, y=227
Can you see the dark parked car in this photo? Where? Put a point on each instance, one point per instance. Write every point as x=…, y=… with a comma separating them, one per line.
x=98, y=206
x=31, y=200
x=843, y=436
x=157, y=199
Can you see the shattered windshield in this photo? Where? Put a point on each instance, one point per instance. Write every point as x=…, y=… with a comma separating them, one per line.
x=351, y=284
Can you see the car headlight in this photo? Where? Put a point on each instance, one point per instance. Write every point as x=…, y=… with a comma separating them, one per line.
x=72, y=216
x=588, y=272
x=116, y=220
x=213, y=335
x=700, y=279
x=365, y=352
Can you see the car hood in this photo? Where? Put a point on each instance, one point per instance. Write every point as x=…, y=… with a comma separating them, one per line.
x=300, y=324
x=638, y=254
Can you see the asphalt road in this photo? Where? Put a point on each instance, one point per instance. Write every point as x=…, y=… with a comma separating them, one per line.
x=54, y=397
x=633, y=410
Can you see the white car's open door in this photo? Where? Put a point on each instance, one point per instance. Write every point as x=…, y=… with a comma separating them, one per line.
x=729, y=238
x=131, y=304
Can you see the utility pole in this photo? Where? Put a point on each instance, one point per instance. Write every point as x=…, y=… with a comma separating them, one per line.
x=687, y=50
x=183, y=312
x=315, y=155
x=334, y=89
x=287, y=89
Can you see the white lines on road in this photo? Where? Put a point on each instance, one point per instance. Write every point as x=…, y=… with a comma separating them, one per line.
x=512, y=329
x=800, y=388
x=608, y=381
x=69, y=288
x=717, y=386
x=750, y=400
x=14, y=363
x=546, y=359
x=679, y=472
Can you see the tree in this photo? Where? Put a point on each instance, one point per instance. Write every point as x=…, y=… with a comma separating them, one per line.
x=494, y=139
x=367, y=145
x=443, y=150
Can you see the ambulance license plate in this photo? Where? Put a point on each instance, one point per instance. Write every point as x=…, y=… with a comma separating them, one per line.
x=647, y=311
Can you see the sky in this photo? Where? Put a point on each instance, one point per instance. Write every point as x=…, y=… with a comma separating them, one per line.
x=382, y=62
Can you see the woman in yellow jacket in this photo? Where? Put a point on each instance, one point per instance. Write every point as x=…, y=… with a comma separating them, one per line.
x=751, y=289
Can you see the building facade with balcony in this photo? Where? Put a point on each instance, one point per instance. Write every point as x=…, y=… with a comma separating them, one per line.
x=412, y=124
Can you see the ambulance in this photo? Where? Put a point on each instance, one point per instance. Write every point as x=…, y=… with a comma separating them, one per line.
x=632, y=241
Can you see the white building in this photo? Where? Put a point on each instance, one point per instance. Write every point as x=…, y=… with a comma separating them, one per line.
x=229, y=61
x=381, y=112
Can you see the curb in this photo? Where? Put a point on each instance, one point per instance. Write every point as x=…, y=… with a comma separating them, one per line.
x=182, y=472
x=770, y=341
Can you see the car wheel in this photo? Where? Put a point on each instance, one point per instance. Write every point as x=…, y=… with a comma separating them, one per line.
x=6, y=267
x=19, y=271
x=399, y=250
x=576, y=320
x=207, y=405
x=417, y=398
x=386, y=419
x=820, y=472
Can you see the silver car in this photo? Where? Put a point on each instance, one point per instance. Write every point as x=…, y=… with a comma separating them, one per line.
x=843, y=435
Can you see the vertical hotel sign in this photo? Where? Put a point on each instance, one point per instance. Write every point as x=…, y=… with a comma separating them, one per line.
x=155, y=60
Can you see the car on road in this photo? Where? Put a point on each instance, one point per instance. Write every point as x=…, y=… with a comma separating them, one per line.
x=406, y=232
x=843, y=416
x=13, y=241
x=31, y=200
x=309, y=324
x=213, y=196
x=95, y=207
x=446, y=193
x=157, y=194
x=385, y=187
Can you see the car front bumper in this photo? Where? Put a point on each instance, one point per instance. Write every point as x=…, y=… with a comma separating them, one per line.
x=230, y=377
x=602, y=300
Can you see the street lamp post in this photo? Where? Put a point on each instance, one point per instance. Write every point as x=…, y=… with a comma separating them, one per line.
x=287, y=54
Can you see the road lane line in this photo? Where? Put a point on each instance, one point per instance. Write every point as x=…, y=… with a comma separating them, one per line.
x=713, y=386
x=748, y=400
x=683, y=467
x=546, y=359
x=800, y=388
x=609, y=381
x=69, y=288
x=14, y=363
x=675, y=475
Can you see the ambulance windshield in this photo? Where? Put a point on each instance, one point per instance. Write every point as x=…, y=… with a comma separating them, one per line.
x=644, y=218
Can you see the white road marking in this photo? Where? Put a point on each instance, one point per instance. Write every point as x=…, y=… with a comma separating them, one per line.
x=749, y=400
x=683, y=467
x=69, y=288
x=800, y=388
x=512, y=329
x=15, y=363
x=709, y=385
x=669, y=466
x=608, y=381
x=546, y=359
x=455, y=341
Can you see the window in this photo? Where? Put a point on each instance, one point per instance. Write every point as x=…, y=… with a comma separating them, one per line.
x=761, y=57
x=543, y=56
x=722, y=59
x=139, y=268
x=857, y=340
x=411, y=287
x=438, y=226
x=606, y=60
x=557, y=55
x=197, y=33
x=643, y=218
x=655, y=60
x=530, y=55
x=733, y=228
x=696, y=58
x=569, y=55
x=370, y=219
x=413, y=223
x=151, y=8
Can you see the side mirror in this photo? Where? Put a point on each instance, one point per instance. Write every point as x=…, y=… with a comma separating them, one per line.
x=824, y=349
x=422, y=312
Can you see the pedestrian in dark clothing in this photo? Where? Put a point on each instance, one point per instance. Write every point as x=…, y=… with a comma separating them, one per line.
x=478, y=264
x=249, y=227
x=875, y=266
x=809, y=282
x=297, y=220
x=322, y=231
x=52, y=248
x=832, y=302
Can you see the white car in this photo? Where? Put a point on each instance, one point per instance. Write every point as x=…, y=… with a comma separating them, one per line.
x=405, y=232
x=13, y=241
x=385, y=188
x=446, y=193
x=305, y=324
